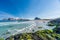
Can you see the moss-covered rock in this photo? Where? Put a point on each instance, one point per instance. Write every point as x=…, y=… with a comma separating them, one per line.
x=39, y=35
x=1, y=38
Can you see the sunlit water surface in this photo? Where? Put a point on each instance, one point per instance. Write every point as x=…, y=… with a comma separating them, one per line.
x=11, y=28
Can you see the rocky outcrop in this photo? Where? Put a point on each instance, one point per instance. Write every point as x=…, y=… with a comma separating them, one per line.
x=36, y=18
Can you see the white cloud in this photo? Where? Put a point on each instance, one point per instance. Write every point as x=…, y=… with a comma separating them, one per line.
x=43, y=9
x=5, y=15
x=53, y=12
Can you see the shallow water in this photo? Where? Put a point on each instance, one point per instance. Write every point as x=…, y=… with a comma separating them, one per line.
x=12, y=28
x=6, y=26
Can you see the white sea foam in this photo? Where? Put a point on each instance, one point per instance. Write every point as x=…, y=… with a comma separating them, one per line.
x=12, y=23
x=33, y=25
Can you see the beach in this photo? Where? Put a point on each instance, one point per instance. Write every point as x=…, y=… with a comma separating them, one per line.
x=13, y=28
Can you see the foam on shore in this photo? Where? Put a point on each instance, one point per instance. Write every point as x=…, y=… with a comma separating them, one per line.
x=28, y=29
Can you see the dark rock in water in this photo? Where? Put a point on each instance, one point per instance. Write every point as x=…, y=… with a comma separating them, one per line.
x=7, y=32
x=10, y=26
x=57, y=30
x=16, y=37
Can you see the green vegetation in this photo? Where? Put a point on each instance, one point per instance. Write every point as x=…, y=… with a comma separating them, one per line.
x=50, y=24
x=39, y=35
x=52, y=34
x=39, y=27
x=1, y=38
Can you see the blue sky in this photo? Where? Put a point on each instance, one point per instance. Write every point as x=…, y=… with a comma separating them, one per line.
x=30, y=8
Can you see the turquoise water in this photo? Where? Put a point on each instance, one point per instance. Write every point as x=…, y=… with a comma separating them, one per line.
x=10, y=28
x=6, y=26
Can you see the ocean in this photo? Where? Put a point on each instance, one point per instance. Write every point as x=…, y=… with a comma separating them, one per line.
x=7, y=26
x=13, y=27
